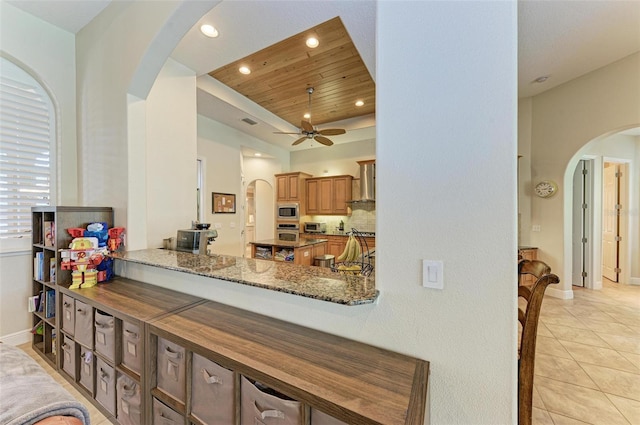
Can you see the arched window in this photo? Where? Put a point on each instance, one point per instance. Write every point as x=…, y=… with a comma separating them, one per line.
x=27, y=149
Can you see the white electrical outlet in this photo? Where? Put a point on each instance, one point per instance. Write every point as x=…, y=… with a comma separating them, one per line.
x=433, y=274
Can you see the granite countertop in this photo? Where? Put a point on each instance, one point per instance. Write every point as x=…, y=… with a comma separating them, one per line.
x=313, y=282
x=301, y=243
x=333, y=233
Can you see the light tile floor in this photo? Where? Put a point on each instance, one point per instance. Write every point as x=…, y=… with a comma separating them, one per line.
x=587, y=360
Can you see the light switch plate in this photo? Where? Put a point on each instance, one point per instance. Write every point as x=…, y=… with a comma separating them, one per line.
x=433, y=274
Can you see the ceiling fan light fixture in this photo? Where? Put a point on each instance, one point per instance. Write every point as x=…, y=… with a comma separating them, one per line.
x=244, y=70
x=312, y=42
x=359, y=103
x=307, y=116
x=209, y=31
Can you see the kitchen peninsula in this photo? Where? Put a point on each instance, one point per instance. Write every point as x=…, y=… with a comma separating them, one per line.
x=312, y=282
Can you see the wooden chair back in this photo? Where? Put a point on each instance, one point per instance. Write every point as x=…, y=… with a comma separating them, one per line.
x=536, y=268
x=528, y=317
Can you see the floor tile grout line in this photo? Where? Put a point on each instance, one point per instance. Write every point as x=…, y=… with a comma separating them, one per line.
x=595, y=364
x=616, y=406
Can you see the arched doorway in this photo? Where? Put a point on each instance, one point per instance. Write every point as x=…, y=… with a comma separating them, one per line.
x=590, y=219
x=259, y=213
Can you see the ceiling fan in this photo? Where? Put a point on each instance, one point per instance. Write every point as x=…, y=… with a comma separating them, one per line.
x=310, y=132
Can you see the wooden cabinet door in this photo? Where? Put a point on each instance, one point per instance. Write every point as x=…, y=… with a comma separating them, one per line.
x=303, y=256
x=294, y=187
x=319, y=249
x=325, y=200
x=312, y=196
x=341, y=194
x=336, y=246
x=282, y=183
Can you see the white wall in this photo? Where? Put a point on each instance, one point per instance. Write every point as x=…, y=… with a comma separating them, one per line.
x=48, y=54
x=564, y=119
x=524, y=171
x=171, y=155
x=221, y=146
x=334, y=160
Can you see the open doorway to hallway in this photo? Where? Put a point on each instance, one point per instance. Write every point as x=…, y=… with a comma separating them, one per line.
x=259, y=213
x=604, y=212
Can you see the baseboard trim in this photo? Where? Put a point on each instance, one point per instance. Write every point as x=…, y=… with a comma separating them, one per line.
x=634, y=281
x=566, y=294
x=17, y=338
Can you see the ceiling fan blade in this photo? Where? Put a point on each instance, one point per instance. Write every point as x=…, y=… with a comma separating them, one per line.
x=332, y=131
x=306, y=126
x=323, y=140
x=282, y=132
x=300, y=140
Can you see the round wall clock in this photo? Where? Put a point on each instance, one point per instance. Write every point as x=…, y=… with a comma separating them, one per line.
x=545, y=188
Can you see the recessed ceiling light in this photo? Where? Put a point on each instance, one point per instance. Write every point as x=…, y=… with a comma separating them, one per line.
x=307, y=115
x=541, y=79
x=209, y=30
x=257, y=154
x=359, y=103
x=312, y=42
x=244, y=70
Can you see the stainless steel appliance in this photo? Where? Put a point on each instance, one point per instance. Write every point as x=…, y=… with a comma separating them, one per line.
x=315, y=227
x=195, y=241
x=288, y=212
x=288, y=232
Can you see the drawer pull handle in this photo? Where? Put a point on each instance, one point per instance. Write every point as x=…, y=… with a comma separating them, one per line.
x=103, y=374
x=81, y=311
x=170, y=353
x=210, y=379
x=67, y=304
x=269, y=413
x=131, y=334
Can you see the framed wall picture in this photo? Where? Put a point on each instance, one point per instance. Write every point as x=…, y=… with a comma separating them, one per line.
x=224, y=203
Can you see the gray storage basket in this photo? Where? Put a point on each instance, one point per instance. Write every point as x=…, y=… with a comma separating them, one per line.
x=260, y=408
x=164, y=415
x=211, y=392
x=83, y=324
x=68, y=314
x=171, y=369
x=87, y=366
x=105, y=385
x=68, y=356
x=105, y=339
x=131, y=348
x=128, y=400
x=321, y=418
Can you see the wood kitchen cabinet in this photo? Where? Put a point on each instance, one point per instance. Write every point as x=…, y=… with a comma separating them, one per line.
x=336, y=244
x=328, y=195
x=290, y=187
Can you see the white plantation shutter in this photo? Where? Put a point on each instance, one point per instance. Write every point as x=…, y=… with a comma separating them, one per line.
x=26, y=142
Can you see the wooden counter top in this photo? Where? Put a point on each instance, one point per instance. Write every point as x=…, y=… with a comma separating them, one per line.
x=355, y=382
x=313, y=282
x=130, y=298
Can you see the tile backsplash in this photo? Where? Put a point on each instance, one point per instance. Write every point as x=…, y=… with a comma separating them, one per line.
x=363, y=218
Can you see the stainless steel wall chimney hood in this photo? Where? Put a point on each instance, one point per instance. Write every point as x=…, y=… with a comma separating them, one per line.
x=367, y=182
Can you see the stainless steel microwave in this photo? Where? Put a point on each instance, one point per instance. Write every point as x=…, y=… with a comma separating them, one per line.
x=288, y=211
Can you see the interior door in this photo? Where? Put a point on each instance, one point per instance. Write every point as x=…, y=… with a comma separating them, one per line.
x=610, y=221
x=579, y=237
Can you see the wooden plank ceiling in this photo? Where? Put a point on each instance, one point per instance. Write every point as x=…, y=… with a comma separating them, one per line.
x=281, y=74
